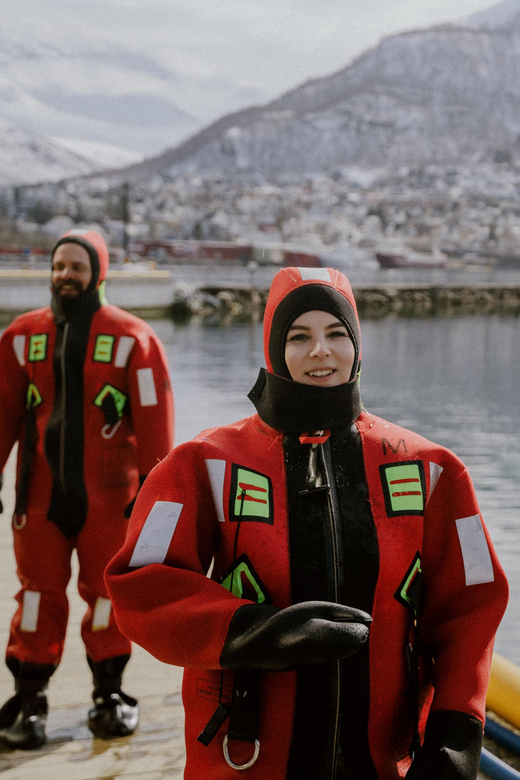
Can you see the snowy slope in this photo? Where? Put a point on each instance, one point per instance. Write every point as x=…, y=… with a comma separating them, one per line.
x=443, y=95
x=101, y=155
x=27, y=158
x=499, y=16
x=91, y=86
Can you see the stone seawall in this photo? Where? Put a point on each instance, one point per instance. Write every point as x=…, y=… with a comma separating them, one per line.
x=373, y=301
x=155, y=294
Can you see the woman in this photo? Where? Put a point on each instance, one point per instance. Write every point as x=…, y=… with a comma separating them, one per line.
x=247, y=544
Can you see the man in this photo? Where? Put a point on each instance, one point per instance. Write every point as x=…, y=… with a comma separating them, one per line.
x=85, y=390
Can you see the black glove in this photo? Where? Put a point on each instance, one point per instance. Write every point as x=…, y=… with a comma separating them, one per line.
x=130, y=506
x=264, y=637
x=451, y=749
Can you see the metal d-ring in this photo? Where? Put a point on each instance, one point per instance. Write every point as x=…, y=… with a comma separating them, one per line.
x=240, y=766
x=20, y=523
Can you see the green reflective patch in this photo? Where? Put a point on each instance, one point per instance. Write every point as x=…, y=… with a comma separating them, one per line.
x=34, y=398
x=250, y=496
x=409, y=591
x=103, y=349
x=37, y=347
x=404, y=488
x=243, y=582
x=119, y=398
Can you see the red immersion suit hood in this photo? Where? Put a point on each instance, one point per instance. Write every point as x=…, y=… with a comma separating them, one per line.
x=297, y=290
x=97, y=250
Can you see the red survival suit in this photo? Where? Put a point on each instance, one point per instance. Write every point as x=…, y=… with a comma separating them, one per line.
x=87, y=395
x=229, y=525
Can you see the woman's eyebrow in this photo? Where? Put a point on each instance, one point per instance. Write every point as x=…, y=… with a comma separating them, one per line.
x=336, y=324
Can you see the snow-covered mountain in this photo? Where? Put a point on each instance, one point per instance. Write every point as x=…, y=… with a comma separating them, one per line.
x=444, y=94
x=497, y=17
x=90, y=91
x=26, y=158
x=441, y=95
x=94, y=87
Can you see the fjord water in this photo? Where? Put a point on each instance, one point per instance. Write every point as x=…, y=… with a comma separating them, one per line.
x=454, y=380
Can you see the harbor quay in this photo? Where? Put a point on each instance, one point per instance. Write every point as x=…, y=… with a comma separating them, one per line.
x=161, y=293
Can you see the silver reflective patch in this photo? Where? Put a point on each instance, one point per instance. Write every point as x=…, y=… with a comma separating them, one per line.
x=478, y=566
x=19, y=349
x=101, y=616
x=216, y=471
x=315, y=273
x=146, y=384
x=435, y=474
x=30, y=609
x=156, y=534
x=124, y=347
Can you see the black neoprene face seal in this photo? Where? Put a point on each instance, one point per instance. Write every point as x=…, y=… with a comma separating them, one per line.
x=309, y=297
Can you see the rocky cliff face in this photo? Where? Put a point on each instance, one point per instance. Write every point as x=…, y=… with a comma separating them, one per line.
x=448, y=94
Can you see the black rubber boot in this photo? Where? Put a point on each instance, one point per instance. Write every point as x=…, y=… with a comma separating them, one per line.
x=114, y=714
x=23, y=716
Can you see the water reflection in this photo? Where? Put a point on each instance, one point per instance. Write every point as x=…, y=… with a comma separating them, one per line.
x=452, y=380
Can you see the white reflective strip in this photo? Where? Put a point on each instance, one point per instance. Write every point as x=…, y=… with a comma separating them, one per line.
x=147, y=394
x=315, y=273
x=435, y=474
x=475, y=552
x=124, y=347
x=30, y=609
x=19, y=349
x=101, y=616
x=156, y=534
x=216, y=472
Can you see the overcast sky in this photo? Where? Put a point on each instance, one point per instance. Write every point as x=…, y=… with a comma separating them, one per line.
x=269, y=45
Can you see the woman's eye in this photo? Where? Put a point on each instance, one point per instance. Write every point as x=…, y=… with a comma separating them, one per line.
x=297, y=337
x=338, y=334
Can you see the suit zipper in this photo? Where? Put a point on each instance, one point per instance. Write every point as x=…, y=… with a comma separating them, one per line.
x=333, y=527
x=63, y=408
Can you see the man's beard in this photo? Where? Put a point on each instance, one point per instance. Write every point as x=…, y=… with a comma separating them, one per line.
x=68, y=289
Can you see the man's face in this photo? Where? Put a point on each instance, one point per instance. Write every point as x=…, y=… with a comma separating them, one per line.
x=71, y=270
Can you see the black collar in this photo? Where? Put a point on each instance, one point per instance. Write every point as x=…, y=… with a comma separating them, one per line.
x=293, y=407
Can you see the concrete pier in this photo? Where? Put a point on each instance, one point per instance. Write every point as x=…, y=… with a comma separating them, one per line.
x=147, y=294
x=157, y=293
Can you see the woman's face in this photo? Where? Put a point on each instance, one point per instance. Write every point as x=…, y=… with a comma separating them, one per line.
x=318, y=350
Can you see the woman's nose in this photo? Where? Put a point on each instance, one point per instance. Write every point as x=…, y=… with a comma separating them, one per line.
x=320, y=348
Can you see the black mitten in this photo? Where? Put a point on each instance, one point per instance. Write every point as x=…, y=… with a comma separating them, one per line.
x=264, y=637
x=451, y=749
x=130, y=506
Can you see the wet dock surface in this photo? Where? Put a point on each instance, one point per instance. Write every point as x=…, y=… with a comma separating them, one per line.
x=155, y=751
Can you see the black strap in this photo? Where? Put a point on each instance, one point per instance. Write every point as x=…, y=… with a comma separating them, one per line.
x=244, y=713
x=213, y=725
x=29, y=444
x=413, y=662
x=245, y=709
